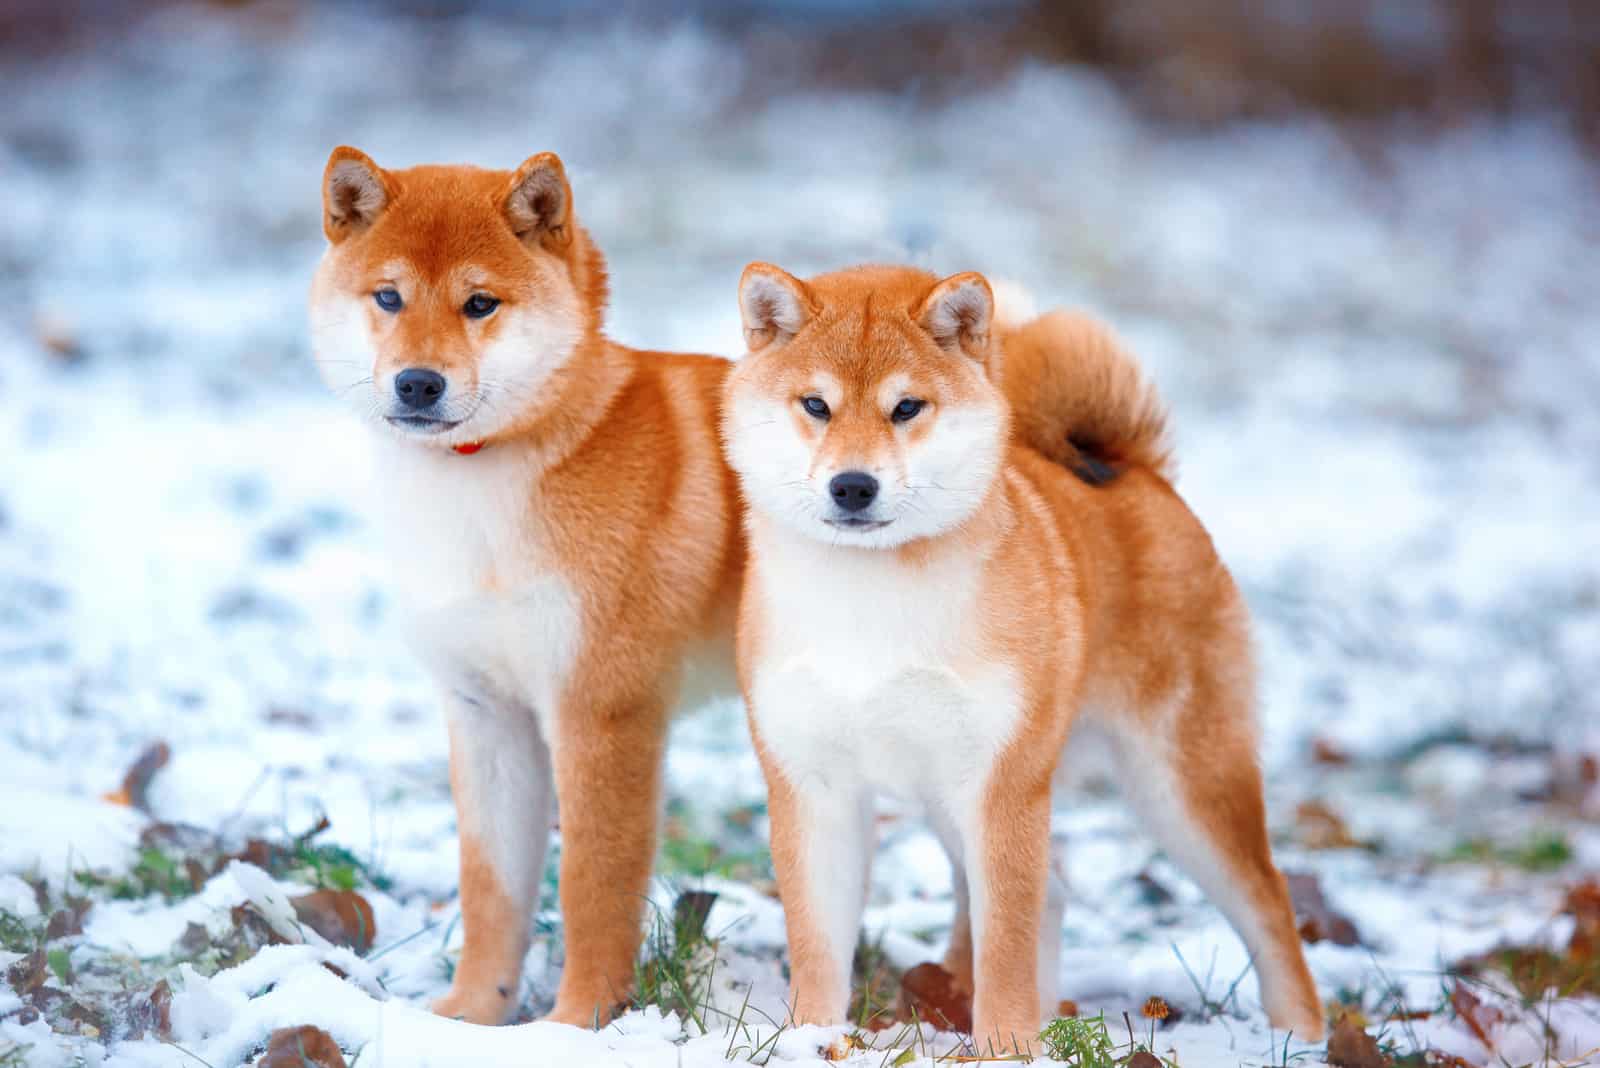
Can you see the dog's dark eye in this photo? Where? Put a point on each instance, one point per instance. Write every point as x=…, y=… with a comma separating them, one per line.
x=389, y=300
x=815, y=406
x=478, y=306
x=907, y=410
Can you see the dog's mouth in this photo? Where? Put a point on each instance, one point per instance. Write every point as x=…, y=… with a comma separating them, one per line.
x=422, y=424
x=856, y=523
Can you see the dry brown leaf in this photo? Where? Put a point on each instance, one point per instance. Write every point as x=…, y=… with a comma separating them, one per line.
x=260, y=852
x=1318, y=826
x=136, y=783
x=691, y=910
x=932, y=995
x=1440, y=1059
x=844, y=1049
x=301, y=1047
x=1318, y=921
x=28, y=974
x=1351, y=1047
x=152, y=1013
x=253, y=929
x=343, y=917
x=1143, y=1059
x=1325, y=751
x=1406, y=1015
x=1480, y=1018
x=66, y=922
x=1582, y=903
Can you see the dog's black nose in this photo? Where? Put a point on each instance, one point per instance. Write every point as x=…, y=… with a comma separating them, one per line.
x=417, y=388
x=853, y=490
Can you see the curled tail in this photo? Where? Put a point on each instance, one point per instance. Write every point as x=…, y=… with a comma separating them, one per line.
x=1079, y=398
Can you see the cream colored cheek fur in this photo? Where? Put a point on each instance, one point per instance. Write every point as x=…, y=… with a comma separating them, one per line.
x=947, y=474
x=772, y=460
x=344, y=351
x=534, y=341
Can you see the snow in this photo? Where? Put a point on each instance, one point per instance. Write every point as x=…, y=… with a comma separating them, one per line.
x=51, y=834
x=1383, y=360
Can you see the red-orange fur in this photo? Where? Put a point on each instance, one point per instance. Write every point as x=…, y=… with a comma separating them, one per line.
x=1130, y=616
x=629, y=502
x=1073, y=389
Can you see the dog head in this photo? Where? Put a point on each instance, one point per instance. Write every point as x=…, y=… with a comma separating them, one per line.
x=866, y=412
x=450, y=297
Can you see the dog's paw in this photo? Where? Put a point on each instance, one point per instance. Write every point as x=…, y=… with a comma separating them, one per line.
x=490, y=1006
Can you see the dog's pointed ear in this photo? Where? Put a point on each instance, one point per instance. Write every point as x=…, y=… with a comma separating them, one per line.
x=774, y=305
x=355, y=191
x=957, y=313
x=538, y=202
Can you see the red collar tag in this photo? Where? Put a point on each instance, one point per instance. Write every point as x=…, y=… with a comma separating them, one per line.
x=468, y=448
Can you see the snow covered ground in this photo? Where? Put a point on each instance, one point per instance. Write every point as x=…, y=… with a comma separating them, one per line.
x=1383, y=356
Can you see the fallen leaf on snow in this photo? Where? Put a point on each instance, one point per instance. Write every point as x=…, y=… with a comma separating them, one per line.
x=931, y=994
x=28, y=974
x=1318, y=921
x=58, y=1006
x=253, y=929
x=68, y=921
x=343, y=917
x=690, y=911
x=136, y=783
x=152, y=1014
x=1537, y=969
x=1351, y=1047
x=1325, y=751
x=1318, y=826
x=844, y=1049
x=1583, y=905
x=301, y=1047
x=1481, y=1019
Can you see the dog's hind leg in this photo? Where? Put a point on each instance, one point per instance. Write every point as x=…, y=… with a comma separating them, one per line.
x=1191, y=773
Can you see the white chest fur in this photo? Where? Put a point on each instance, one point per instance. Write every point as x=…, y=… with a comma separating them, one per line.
x=485, y=606
x=872, y=672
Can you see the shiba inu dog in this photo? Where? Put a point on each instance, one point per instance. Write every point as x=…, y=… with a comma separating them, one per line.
x=964, y=546
x=564, y=534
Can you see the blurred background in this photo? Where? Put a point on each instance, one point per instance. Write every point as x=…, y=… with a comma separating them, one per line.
x=1357, y=245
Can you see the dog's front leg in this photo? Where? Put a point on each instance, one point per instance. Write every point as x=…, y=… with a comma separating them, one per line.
x=500, y=776
x=1008, y=859
x=822, y=837
x=608, y=778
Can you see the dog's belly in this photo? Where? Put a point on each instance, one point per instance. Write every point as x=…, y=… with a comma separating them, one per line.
x=921, y=732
